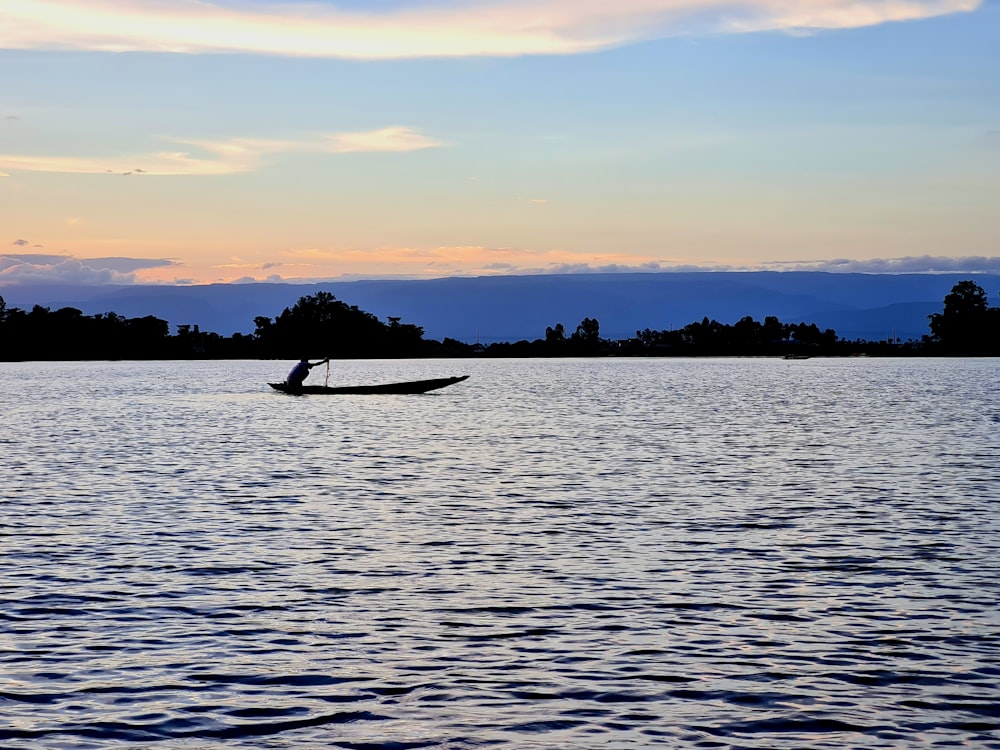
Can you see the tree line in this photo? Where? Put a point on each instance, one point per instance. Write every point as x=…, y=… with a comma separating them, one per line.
x=320, y=325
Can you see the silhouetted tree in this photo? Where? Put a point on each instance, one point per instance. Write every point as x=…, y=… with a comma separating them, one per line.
x=403, y=339
x=321, y=325
x=967, y=325
x=555, y=335
x=749, y=333
x=773, y=331
x=587, y=337
x=67, y=333
x=555, y=339
x=810, y=335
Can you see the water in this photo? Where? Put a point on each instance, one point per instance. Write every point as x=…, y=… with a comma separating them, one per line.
x=555, y=553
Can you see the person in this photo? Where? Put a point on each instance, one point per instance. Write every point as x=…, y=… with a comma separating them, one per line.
x=301, y=371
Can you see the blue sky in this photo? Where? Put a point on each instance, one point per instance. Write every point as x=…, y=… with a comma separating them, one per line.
x=278, y=140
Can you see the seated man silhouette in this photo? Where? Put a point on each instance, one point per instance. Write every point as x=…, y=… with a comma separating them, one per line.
x=300, y=372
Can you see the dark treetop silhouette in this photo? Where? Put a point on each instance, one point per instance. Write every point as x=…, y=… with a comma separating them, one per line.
x=967, y=325
x=324, y=325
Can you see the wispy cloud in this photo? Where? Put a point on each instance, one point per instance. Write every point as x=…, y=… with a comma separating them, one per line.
x=27, y=268
x=440, y=29
x=318, y=264
x=386, y=139
x=310, y=264
x=906, y=264
x=37, y=259
x=922, y=264
x=220, y=157
x=315, y=264
x=121, y=264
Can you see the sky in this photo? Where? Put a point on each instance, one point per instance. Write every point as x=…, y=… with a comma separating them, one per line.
x=188, y=141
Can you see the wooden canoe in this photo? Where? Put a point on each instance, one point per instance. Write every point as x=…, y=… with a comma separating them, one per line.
x=411, y=386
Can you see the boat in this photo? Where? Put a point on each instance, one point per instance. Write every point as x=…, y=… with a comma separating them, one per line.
x=411, y=386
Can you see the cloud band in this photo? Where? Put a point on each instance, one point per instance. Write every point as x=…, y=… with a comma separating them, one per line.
x=499, y=28
x=233, y=156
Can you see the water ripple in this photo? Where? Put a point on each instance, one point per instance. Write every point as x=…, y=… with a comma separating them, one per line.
x=710, y=554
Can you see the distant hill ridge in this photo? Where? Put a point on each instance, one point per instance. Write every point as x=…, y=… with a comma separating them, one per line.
x=511, y=308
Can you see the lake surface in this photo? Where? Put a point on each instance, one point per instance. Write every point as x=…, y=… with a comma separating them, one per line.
x=715, y=553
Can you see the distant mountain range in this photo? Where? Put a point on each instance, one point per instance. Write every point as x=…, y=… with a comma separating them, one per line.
x=511, y=308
